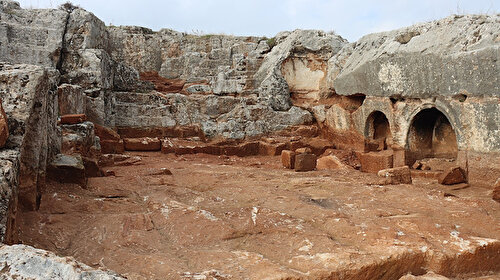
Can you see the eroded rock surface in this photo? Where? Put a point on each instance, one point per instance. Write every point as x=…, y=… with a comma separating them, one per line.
x=249, y=218
x=440, y=58
x=30, y=103
x=25, y=262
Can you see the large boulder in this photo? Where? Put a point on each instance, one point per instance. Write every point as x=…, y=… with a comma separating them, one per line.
x=25, y=262
x=446, y=57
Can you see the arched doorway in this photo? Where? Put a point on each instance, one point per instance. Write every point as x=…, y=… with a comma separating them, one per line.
x=431, y=135
x=378, y=132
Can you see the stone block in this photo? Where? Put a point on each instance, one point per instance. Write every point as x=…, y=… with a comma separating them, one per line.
x=330, y=162
x=112, y=146
x=452, y=176
x=71, y=99
x=92, y=168
x=305, y=162
x=399, y=157
x=483, y=168
x=73, y=119
x=396, y=176
x=67, y=169
x=142, y=144
x=288, y=159
x=106, y=133
x=373, y=162
x=271, y=149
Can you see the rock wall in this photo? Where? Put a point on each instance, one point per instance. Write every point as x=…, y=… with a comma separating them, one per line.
x=450, y=64
x=455, y=55
x=130, y=78
x=29, y=98
x=31, y=36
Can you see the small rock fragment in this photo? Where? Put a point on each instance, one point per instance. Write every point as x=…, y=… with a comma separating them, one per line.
x=161, y=171
x=417, y=165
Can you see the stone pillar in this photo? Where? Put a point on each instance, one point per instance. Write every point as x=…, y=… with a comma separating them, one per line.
x=399, y=156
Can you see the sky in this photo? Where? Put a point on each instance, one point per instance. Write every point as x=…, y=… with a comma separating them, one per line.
x=349, y=18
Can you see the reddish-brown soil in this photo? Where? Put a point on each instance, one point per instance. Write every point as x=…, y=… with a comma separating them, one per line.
x=219, y=217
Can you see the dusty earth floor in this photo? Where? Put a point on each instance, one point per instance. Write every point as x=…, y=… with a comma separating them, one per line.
x=222, y=217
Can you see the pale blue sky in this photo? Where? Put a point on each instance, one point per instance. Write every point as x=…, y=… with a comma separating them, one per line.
x=348, y=18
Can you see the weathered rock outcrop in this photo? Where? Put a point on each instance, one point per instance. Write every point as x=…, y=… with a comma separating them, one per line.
x=9, y=180
x=30, y=102
x=31, y=36
x=218, y=64
x=25, y=262
x=446, y=72
x=229, y=117
x=296, y=63
x=448, y=57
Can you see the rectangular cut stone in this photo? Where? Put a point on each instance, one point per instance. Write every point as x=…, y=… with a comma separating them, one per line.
x=399, y=158
x=305, y=162
x=71, y=99
x=73, y=119
x=112, y=146
x=396, y=176
x=271, y=149
x=142, y=144
x=373, y=162
x=288, y=159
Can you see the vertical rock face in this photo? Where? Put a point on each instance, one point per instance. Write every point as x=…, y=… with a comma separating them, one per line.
x=223, y=64
x=30, y=36
x=9, y=179
x=30, y=102
x=4, y=127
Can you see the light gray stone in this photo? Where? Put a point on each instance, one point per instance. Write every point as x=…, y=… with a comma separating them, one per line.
x=451, y=56
x=29, y=96
x=25, y=262
x=272, y=87
x=31, y=36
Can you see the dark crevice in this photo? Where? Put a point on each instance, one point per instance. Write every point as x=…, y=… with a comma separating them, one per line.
x=62, y=52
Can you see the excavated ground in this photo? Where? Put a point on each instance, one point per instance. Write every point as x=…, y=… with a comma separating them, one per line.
x=219, y=217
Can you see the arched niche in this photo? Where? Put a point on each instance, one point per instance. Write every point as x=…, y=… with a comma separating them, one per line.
x=431, y=135
x=378, y=131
